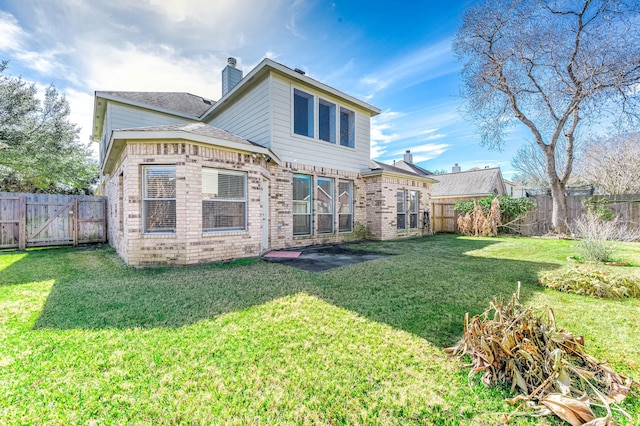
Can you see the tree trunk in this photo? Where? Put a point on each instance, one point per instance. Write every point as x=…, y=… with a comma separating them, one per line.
x=559, y=213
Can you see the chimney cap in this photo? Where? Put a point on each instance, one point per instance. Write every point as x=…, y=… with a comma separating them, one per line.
x=299, y=71
x=231, y=62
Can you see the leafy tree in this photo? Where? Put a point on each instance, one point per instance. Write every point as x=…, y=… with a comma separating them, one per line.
x=557, y=67
x=39, y=147
x=613, y=164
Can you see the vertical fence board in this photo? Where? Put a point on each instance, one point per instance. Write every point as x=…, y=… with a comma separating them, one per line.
x=34, y=220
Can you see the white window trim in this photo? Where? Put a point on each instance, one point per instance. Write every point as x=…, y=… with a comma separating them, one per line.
x=404, y=212
x=311, y=207
x=332, y=205
x=351, y=207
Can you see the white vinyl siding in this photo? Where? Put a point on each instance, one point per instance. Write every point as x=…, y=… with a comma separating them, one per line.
x=159, y=199
x=224, y=200
x=303, y=150
x=125, y=117
x=248, y=116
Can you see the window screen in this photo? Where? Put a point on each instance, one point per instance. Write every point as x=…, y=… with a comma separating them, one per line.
x=302, y=199
x=345, y=206
x=159, y=198
x=302, y=113
x=224, y=200
x=324, y=203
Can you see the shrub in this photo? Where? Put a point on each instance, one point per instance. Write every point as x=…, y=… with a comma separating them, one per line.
x=592, y=282
x=511, y=344
x=479, y=222
x=598, y=236
x=510, y=209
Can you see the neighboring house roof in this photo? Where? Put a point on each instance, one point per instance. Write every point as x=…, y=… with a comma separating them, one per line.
x=471, y=183
x=180, y=102
x=412, y=168
x=377, y=168
x=198, y=132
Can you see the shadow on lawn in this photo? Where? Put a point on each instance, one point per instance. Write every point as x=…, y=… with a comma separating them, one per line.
x=425, y=289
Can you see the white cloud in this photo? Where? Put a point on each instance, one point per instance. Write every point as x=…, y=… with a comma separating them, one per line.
x=11, y=34
x=432, y=61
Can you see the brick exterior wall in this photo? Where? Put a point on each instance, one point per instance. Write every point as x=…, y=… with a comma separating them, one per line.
x=381, y=205
x=374, y=205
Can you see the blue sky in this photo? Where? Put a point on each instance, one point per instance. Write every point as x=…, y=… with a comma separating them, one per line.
x=395, y=55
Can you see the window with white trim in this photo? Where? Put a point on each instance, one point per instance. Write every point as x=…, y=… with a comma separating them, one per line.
x=347, y=128
x=401, y=198
x=414, y=207
x=326, y=121
x=159, y=199
x=345, y=206
x=302, y=204
x=303, y=113
x=324, y=203
x=224, y=200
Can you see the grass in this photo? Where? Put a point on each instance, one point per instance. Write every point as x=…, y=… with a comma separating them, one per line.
x=85, y=339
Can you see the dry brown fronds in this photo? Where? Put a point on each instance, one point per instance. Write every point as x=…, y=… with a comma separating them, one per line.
x=510, y=344
x=592, y=282
x=465, y=224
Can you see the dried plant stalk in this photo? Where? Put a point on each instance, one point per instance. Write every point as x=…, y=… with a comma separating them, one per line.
x=510, y=344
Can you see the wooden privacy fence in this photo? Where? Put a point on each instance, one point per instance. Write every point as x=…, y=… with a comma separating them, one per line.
x=36, y=220
x=444, y=217
x=538, y=221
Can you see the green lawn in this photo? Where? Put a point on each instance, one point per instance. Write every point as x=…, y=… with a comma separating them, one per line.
x=85, y=339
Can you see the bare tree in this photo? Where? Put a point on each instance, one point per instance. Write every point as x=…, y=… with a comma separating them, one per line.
x=613, y=164
x=529, y=160
x=556, y=66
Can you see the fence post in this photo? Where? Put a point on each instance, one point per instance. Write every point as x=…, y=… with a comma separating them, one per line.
x=22, y=223
x=104, y=220
x=75, y=222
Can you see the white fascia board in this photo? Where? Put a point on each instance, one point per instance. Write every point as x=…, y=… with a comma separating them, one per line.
x=179, y=134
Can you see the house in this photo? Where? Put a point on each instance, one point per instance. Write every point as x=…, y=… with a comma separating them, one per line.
x=468, y=185
x=514, y=189
x=280, y=160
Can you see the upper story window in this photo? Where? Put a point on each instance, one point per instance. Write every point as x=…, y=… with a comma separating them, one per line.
x=159, y=199
x=302, y=113
x=323, y=120
x=326, y=121
x=347, y=127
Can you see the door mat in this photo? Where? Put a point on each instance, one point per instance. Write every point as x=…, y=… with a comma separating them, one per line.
x=283, y=254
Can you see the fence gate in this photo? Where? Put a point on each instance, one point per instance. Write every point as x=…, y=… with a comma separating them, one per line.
x=36, y=220
x=444, y=217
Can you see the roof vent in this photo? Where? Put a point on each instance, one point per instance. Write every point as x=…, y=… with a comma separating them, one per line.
x=299, y=71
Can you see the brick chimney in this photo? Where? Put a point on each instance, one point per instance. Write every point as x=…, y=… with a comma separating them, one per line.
x=408, y=157
x=456, y=169
x=230, y=76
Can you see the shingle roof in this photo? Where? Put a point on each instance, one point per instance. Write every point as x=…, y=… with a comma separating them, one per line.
x=376, y=165
x=181, y=102
x=196, y=129
x=401, y=164
x=471, y=183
